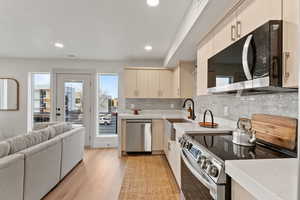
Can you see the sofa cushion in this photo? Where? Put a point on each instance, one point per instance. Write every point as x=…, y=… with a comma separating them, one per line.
x=4, y=149
x=44, y=134
x=52, y=132
x=62, y=128
x=17, y=143
x=42, y=125
x=67, y=126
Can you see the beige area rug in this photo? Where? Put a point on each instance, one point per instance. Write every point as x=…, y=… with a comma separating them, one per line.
x=148, y=178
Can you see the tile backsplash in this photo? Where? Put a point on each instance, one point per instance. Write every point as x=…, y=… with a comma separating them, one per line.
x=230, y=106
x=154, y=104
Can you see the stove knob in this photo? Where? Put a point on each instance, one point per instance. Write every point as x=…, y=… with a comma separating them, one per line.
x=203, y=162
x=213, y=171
x=189, y=146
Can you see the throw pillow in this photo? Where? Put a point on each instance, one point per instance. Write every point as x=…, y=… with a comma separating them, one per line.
x=17, y=143
x=4, y=149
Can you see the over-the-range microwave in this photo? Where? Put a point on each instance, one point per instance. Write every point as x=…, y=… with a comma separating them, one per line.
x=253, y=62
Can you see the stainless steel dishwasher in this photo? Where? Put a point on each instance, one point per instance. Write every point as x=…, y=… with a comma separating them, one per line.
x=138, y=135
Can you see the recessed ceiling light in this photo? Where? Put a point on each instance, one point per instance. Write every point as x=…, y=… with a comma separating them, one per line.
x=59, y=45
x=153, y=3
x=148, y=48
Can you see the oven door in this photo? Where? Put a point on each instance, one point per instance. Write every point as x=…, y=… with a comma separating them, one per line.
x=195, y=185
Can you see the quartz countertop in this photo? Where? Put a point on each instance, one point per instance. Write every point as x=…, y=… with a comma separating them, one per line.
x=153, y=115
x=194, y=127
x=274, y=179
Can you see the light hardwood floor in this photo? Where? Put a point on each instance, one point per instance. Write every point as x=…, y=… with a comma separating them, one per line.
x=98, y=177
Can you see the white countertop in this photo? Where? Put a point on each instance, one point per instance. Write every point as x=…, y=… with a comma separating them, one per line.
x=273, y=179
x=194, y=127
x=153, y=115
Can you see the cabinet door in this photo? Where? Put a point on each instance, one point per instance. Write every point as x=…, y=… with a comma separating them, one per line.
x=290, y=42
x=130, y=83
x=147, y=83
x=254, y=13
x=165, y=84
x=225, y=34
x=186, y=79
x=202, y=73
x=176, y=82
x=152, y=84
x=158, y=135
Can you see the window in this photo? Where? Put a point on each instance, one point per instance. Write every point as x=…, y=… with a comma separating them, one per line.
x=41, y=98
x=224, y=80
x=108, y=104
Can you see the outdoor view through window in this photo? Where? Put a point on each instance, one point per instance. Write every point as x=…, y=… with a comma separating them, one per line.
x=108, y=104
x=41, y=97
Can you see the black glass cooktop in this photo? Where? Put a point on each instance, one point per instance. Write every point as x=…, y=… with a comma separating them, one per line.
x=225, y=149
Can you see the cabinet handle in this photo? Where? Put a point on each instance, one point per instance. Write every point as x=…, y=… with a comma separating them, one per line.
x=233, y=32
x=238, y=29
x=169, y=147
x=286, y=56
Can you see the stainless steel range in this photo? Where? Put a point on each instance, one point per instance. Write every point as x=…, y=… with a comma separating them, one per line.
x=203, y=159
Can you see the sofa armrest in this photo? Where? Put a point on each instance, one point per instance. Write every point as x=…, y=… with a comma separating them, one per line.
x=72, y=132
x=10, y=159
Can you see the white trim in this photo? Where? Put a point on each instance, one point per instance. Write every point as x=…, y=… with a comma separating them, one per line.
x=93, y=96
x=101, y=141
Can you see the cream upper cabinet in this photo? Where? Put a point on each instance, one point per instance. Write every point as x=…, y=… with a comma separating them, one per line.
x=176, y=82
x=186, y=79
x=290, y=42
x=165, y=84
x=142, y=83
x=254, y=13
x=204, y=53
x=130, y=80
x=224, y=34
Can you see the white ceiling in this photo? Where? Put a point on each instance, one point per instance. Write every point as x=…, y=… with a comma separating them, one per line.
x=89, y=29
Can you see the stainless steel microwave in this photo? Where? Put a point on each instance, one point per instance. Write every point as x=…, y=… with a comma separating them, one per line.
x=253, y=62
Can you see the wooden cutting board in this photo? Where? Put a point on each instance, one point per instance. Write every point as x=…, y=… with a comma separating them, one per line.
x=277, y=130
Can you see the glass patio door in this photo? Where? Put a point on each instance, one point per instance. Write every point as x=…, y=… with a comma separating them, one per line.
x=73, y=101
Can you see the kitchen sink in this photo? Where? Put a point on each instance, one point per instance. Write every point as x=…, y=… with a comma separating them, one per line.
x=179, y=120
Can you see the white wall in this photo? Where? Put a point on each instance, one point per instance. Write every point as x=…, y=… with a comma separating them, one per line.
x=13, y=123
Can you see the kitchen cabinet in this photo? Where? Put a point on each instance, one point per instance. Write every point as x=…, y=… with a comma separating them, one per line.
x=160, y=82
x=249, y=15
x=238, y=192
x=184, y=79
x=165, y=84
x=290, y=42
x=157, y=136
x=130, y=80
x=254, y=13
x=203, y=54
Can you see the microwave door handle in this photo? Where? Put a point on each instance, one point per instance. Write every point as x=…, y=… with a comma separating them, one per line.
x=245, y=58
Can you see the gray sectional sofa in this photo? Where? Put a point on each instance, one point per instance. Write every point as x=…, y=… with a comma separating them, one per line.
x=32, y=164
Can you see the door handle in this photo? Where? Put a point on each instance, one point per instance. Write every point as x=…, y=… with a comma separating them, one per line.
x=58, y=114
x=233, y=32
x=286, y=56
x=238, y=29
x=245, y=58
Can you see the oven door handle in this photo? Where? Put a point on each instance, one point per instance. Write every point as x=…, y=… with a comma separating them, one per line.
x=245, y=58
x=197, y=174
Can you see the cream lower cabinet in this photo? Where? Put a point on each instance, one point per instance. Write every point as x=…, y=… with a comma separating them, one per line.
x=158, y=136
x=290, y=43
x=238, y=192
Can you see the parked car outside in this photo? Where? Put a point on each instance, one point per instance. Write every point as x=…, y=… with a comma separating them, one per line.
x=104, y=121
